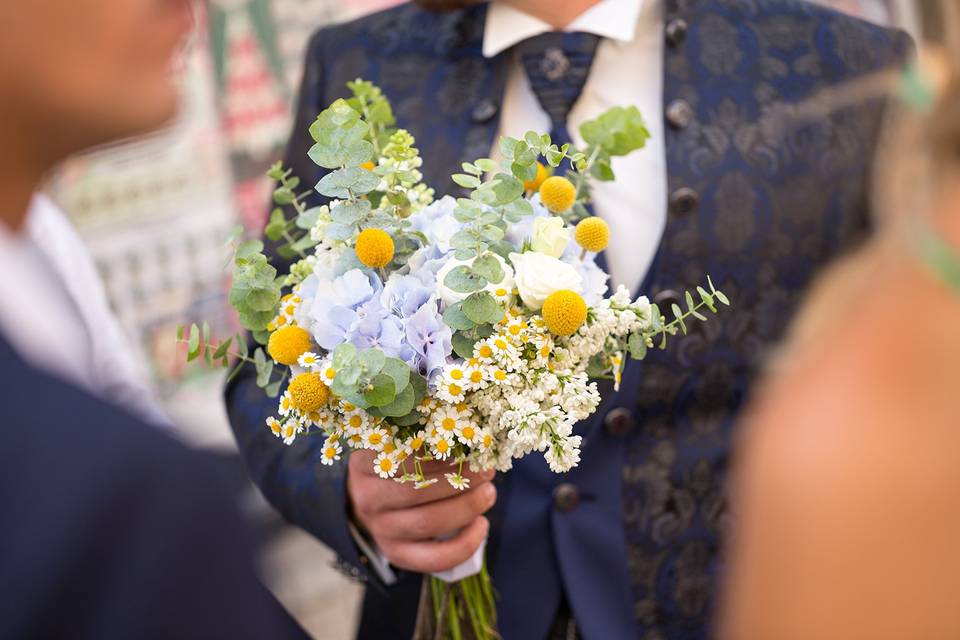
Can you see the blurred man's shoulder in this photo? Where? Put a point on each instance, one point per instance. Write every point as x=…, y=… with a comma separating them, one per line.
x=57, y=429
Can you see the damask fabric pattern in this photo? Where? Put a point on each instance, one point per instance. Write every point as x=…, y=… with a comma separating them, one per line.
x=761, y=198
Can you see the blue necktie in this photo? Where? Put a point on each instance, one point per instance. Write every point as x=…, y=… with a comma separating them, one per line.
x=557, y=65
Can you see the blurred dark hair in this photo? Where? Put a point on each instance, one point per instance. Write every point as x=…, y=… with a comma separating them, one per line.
x=445, y=5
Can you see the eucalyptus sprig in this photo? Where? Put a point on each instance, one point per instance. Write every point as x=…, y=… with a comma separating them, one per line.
x=220, y=355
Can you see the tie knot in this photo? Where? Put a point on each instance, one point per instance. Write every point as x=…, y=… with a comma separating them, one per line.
x=557, y=65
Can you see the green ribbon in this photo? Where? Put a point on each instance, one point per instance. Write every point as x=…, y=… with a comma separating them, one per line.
x=940, y=256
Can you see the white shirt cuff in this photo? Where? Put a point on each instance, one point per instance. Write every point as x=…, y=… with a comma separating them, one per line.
x=378, y=561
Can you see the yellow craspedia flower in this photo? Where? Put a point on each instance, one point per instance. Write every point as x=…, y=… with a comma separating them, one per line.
x=557, y=194
x=593, y=234
x=564, y=312
x=375, y=248
x=308, y=392
x=287, y=344
x=534, y=185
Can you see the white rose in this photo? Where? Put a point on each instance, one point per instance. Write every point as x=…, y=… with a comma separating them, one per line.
x=550, y=236
x=449, y=296
x=538, y=275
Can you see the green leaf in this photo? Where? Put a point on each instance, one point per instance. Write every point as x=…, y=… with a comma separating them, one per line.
x=222, y=348
x=248, y=250
x=507, y=188
x=462, y=280
x=193, y=343
x=508, y=147
x=463, y=345
x=180, y=329
x=242, y=347
x=304, y=243
x=488, y=266
x=262, y=300
x=532, y=138
x=518, y=210
x=486, y=165
x=454, y=318
x=308, y=219
x=637, y=346
x=337, y=231
x=678, y=314
x=398, y=370
x=277, y=225
x=471, y=169
x=340, y=135
x=482, y=308
x=350, y=373
x=524, y=172
x=264, y=369
x=351, y=212
x=689, y=301
x=601, y=170
x=466, y=181
x=343, y=355
x=382, y=391
x=283, y=195
x=403, y=403
x=344, y=183
x=618, y=131
x=371, y=361
x=721, y=297
x=554, y=157
x=273, y=389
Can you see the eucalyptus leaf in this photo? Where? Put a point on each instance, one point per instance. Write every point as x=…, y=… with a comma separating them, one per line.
x=466, y=181
x=382, y=391
x=463, y=345
x=348, y=182
x=343, y=354
x=403, y=403
x=462, y=280
x=482, y=308
x=454, y=318
x=486, y=165
x=350, y=212
x=371, y=360
x=398, y=370
x=488, y=266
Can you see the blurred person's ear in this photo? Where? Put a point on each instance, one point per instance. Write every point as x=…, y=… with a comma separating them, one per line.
x=79, y=73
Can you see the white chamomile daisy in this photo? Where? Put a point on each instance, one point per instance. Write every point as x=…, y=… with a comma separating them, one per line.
x=423, y=484
x=286, y=404
x=469, y=433
x=415, y=443
x=484, y=440
x=504, y=353
x=355, y=441
x=331, y=452
x=457, y=481
x=502, y=295
x=483, y=351
x=385, y=465
x=309, y=361
x=327, y=373
x=375, y=438
x=446, y=420
x=289, y=431
x=451, y=392
x=516, y=330
x=275, y=426
x=355, y=421
x=476, y=378
x=442, y=447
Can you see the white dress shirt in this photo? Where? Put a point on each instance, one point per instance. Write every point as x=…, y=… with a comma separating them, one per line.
x=627, y=71
x=54, y=312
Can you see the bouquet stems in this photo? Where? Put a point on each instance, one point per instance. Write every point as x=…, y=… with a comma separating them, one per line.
x=462, y=610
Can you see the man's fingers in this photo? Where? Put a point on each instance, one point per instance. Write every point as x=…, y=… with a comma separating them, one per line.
x=436, y=518
x=433, y=556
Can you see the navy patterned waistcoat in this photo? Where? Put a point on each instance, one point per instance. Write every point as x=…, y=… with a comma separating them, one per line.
x=767, y=183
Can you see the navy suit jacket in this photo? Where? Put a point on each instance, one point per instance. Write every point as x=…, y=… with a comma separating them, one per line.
x=112, y=530
x=767, y=180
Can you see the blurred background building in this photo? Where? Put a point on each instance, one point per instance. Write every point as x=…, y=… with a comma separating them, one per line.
x=156, y=213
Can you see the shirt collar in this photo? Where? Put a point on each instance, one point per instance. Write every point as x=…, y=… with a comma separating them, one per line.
x=507, y=26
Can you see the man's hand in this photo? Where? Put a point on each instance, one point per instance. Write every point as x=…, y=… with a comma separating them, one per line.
x=404, y=522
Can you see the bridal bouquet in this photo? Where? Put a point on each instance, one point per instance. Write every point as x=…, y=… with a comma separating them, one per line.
x=462, y=329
